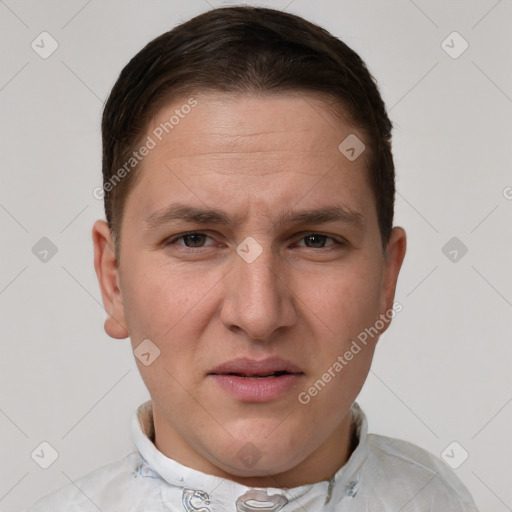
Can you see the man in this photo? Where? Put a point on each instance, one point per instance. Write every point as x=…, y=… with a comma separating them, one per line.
x=249, y=254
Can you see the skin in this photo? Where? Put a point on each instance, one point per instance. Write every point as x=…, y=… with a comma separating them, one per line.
x=303, y=299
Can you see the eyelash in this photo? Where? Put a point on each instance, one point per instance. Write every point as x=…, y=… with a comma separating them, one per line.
x=173, y=241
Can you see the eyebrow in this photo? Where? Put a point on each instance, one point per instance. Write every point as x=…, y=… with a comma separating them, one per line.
x=183, y=212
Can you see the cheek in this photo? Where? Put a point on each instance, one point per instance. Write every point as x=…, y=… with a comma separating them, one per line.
x=158, y=299
x=344, y=301
x=164, y=306
x=339, y=311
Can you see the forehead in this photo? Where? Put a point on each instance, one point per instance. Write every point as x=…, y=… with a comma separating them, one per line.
x=266, y=151
x=231, y=125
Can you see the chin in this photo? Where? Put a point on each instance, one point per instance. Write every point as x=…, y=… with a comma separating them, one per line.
x=250, y=462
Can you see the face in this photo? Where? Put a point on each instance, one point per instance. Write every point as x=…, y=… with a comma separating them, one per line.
x=251, y=259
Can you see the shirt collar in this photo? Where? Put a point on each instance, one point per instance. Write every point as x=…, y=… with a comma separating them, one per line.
x=197, y=487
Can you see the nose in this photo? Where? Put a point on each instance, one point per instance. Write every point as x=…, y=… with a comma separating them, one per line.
x=258, y=297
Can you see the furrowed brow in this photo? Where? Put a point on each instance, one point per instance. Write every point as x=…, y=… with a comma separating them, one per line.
x=322, y=216
x=178, y=211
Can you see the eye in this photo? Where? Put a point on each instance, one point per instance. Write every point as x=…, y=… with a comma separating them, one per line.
x=192, y=240
x=317, y=241
x=197, y=240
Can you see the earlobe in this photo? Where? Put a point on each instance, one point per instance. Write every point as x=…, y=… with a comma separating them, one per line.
x=107, y=272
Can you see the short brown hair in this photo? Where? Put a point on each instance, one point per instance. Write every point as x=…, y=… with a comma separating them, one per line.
x=239, y=50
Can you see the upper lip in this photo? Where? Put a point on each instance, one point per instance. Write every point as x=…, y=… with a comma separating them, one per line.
x=246, y=366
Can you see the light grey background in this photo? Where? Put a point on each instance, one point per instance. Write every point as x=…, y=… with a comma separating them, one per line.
x=442, y=371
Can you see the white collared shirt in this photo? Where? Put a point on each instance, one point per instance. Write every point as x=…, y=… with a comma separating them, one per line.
x=381, y=475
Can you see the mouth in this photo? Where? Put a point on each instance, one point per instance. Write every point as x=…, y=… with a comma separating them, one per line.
x=254, y=369
x=256, y=375
x=249, y=380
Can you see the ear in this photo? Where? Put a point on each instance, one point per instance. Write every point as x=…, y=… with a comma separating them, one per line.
x=393, y=258
x=107, y=272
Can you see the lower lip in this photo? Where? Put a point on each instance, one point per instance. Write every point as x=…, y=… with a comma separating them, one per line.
x=258, y=390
